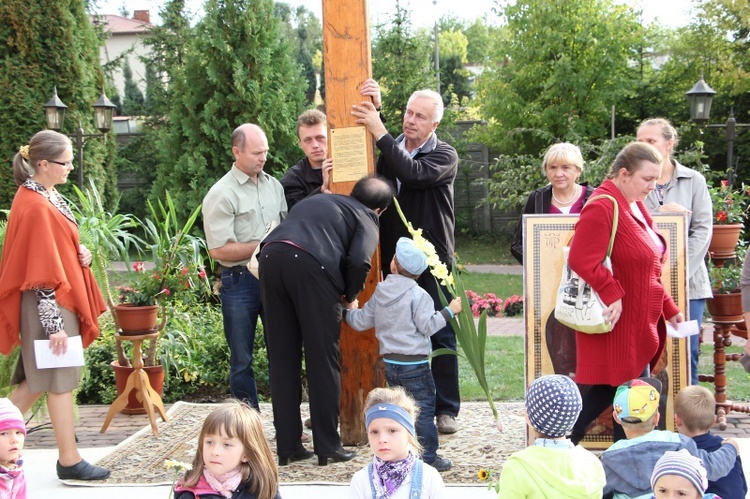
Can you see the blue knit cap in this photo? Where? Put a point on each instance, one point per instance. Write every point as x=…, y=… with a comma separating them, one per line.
x=681, y=463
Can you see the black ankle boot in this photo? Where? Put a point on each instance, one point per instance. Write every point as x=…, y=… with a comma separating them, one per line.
x=338, y=456
x=300, y=455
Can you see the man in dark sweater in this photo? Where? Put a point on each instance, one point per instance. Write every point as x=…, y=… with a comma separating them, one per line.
x=314, y=262
x=309, y=175
x=422, y=169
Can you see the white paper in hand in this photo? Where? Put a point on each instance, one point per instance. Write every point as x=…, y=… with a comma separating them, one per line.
x=45, y=359
x=683, y=330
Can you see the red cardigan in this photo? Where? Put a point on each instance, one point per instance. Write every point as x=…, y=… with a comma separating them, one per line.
x=41, y=251
x=639, y=336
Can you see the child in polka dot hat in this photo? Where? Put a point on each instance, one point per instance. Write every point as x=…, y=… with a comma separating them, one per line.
x=12, y=437
x=552, y=466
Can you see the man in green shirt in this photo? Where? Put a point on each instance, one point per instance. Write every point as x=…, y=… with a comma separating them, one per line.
x=236, y=211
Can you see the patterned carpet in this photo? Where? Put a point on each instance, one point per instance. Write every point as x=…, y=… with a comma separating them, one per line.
x=139, y=460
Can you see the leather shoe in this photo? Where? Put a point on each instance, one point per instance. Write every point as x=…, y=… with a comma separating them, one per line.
x=446, y=424
x=441, y=464
x=81, y=471
x=338, y=456
x=300, y=455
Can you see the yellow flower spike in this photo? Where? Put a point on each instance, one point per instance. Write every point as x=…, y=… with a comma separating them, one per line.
x=471, y=338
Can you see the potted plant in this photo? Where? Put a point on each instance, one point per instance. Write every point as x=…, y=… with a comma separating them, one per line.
x=726, y=304
x=173, y=271
x=729, y=208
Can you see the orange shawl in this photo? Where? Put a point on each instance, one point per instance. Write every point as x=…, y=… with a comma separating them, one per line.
x=41, y=251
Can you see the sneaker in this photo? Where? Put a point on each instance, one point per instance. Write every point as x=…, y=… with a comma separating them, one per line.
x=81, y=471
x=441, y=464
x=446, y=424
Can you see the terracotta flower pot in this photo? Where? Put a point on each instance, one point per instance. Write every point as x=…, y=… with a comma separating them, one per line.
x=136, y=319
x=155, y=378
x=725, y=307
x=724, y=240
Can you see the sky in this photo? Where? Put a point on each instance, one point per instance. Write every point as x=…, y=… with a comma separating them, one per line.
x=672, y=13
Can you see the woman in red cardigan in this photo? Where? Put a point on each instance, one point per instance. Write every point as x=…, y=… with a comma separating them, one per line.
x=47, y=291
x=637, y=303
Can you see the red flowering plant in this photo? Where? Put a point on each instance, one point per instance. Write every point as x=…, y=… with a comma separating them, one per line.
x=513, y=306
x=489, y=302
x=174, y=270
x=729, y=205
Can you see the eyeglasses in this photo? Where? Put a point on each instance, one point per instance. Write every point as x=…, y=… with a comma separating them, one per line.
x=67, y=165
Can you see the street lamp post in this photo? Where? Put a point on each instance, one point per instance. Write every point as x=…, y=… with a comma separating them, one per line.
x=55, y=113
x=437, y=50
x=700, y=98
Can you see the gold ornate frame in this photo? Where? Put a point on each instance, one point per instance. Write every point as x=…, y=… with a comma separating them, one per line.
x=545, y=236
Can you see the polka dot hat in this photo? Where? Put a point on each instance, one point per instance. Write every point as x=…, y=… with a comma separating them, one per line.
x=553, y=404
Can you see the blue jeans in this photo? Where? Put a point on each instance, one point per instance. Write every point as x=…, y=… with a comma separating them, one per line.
x=696, y=313
x=417, y=381
x=240, y=308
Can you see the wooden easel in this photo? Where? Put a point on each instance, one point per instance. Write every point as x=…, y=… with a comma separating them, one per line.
x=348, y=62
x=138, y=381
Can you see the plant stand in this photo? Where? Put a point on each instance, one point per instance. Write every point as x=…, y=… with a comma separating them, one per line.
x=723, y=338
x=138, y=381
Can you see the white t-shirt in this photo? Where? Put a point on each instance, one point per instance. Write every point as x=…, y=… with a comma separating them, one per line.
x=654, y=236
x=432, y=485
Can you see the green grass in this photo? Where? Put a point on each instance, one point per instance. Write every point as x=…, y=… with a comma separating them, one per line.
x=503, y=285
x=505, y=372
x=504, y=364
x=738, y=380
x=484, y=249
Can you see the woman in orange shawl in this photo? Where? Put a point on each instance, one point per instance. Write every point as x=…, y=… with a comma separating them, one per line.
x=47, y=291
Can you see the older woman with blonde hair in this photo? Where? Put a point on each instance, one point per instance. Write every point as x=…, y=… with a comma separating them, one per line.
x=563, y=165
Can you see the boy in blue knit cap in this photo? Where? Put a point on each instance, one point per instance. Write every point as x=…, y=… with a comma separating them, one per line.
x=404, y=318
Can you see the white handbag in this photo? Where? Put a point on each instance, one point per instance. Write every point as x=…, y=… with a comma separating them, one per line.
x=578, y=306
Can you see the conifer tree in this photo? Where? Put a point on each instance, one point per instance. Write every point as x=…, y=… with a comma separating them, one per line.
x=43, y=44
x=133, y=103
x=238, y=69
x=401, y=64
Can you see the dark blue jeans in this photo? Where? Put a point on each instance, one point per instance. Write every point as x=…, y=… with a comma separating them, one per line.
x=240, y=308
x=417, y=381
x=696, y=313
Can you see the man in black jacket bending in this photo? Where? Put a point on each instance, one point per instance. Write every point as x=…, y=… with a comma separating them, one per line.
x=423, y=169
x=317, y=258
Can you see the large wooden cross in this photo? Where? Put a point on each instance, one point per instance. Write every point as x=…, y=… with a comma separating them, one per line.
x=347, y=60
